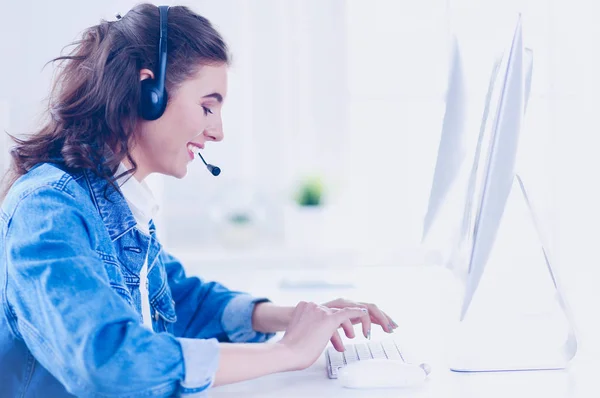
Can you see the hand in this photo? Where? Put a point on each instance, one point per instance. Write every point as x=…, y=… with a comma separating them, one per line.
x=311, y=327
x=376, y=316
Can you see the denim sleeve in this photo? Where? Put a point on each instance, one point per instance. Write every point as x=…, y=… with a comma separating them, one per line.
x=73, y=322
x=208, y=309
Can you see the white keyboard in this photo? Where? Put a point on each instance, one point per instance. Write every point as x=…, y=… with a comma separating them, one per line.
x=387, y=349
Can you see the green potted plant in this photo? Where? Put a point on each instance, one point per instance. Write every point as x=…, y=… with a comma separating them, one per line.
x=310, y=192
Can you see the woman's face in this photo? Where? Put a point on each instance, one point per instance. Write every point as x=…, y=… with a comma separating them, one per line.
x=192, y=117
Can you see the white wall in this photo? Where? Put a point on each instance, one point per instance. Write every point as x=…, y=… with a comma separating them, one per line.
x=4, y=126
x=574, y=119
x=397, y=68
x=354, y=89
x=285, y=112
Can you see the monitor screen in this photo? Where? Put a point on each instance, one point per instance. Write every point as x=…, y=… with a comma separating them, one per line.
x=494, y=169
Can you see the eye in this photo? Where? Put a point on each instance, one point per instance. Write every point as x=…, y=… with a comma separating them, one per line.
x=207, y=111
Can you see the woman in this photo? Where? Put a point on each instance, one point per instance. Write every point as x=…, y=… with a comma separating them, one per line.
x=92, y=305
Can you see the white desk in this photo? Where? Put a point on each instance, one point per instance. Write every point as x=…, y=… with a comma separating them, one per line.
x=418, y=299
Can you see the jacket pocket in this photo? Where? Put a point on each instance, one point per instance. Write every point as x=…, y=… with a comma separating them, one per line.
x=164, y=309
x=118, y=279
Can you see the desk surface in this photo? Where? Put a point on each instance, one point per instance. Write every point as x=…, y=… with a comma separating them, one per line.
x=419, y=299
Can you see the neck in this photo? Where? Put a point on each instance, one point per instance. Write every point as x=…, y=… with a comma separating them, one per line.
x=140, y=174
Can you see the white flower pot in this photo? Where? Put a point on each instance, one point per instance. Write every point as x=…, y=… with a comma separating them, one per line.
x=239, y=236
x=304, y=227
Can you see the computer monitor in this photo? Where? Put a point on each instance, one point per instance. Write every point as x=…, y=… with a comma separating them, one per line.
x=451, y=149
x=491, y=181
x=494, y=169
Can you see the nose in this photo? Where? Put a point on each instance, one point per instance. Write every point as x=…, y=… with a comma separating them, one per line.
x=214, y=134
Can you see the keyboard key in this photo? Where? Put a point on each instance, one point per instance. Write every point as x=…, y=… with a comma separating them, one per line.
x=336, y=358
x=350, y=355
x=334, y=373
x=376, y=350
x=402, y=352
x=363, y=352
x=391, y=351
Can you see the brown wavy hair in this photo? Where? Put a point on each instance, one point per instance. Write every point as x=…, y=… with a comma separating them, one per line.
x=93, y=107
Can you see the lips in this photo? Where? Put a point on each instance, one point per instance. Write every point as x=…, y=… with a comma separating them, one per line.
x=193, y=148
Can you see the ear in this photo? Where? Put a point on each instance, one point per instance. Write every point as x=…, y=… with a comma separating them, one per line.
x=146, y=74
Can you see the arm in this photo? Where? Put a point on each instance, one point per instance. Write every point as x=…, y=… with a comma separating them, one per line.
x=241, y=362
x=309, y=329
x=271, y=318
x=208, y=309
x=62, y=306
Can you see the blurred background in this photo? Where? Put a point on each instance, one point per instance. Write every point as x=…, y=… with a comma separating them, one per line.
x=333, y=118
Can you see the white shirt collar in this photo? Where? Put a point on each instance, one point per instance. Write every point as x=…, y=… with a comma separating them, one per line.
x=139, y=197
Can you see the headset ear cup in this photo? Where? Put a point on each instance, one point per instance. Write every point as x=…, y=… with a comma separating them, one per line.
x=163, y=102
x=152, y=101
x=146, y=99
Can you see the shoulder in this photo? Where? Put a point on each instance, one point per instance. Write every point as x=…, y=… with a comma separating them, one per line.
x=45, y=185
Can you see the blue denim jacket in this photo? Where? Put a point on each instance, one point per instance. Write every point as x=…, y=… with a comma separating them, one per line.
x=70, y=316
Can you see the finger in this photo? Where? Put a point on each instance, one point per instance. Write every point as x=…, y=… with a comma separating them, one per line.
x=337, y=343
x=366, y=325
x=390, y=320
x=300, y=306
x=337, y=303
x=363, y=318
x=346, y=314
x=348, y=329
x=379, y=318
x=299, y=309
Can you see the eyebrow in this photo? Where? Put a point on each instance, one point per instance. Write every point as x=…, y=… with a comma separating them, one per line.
x=216, y=96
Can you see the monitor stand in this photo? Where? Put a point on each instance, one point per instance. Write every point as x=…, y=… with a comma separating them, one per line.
x=519, y=318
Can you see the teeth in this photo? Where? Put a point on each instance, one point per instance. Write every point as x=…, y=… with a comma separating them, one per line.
x=192, y=148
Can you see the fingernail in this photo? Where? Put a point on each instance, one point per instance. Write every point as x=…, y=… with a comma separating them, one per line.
x=391, y=328
x=369, y=334
x=395, y=324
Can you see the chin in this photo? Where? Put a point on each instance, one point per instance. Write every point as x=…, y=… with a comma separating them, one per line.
x=180, y=173
x=175, y=171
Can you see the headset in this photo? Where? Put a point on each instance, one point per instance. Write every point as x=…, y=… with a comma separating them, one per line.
x=154, y=94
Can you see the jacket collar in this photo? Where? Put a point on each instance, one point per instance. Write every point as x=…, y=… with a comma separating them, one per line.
x=111, y=205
